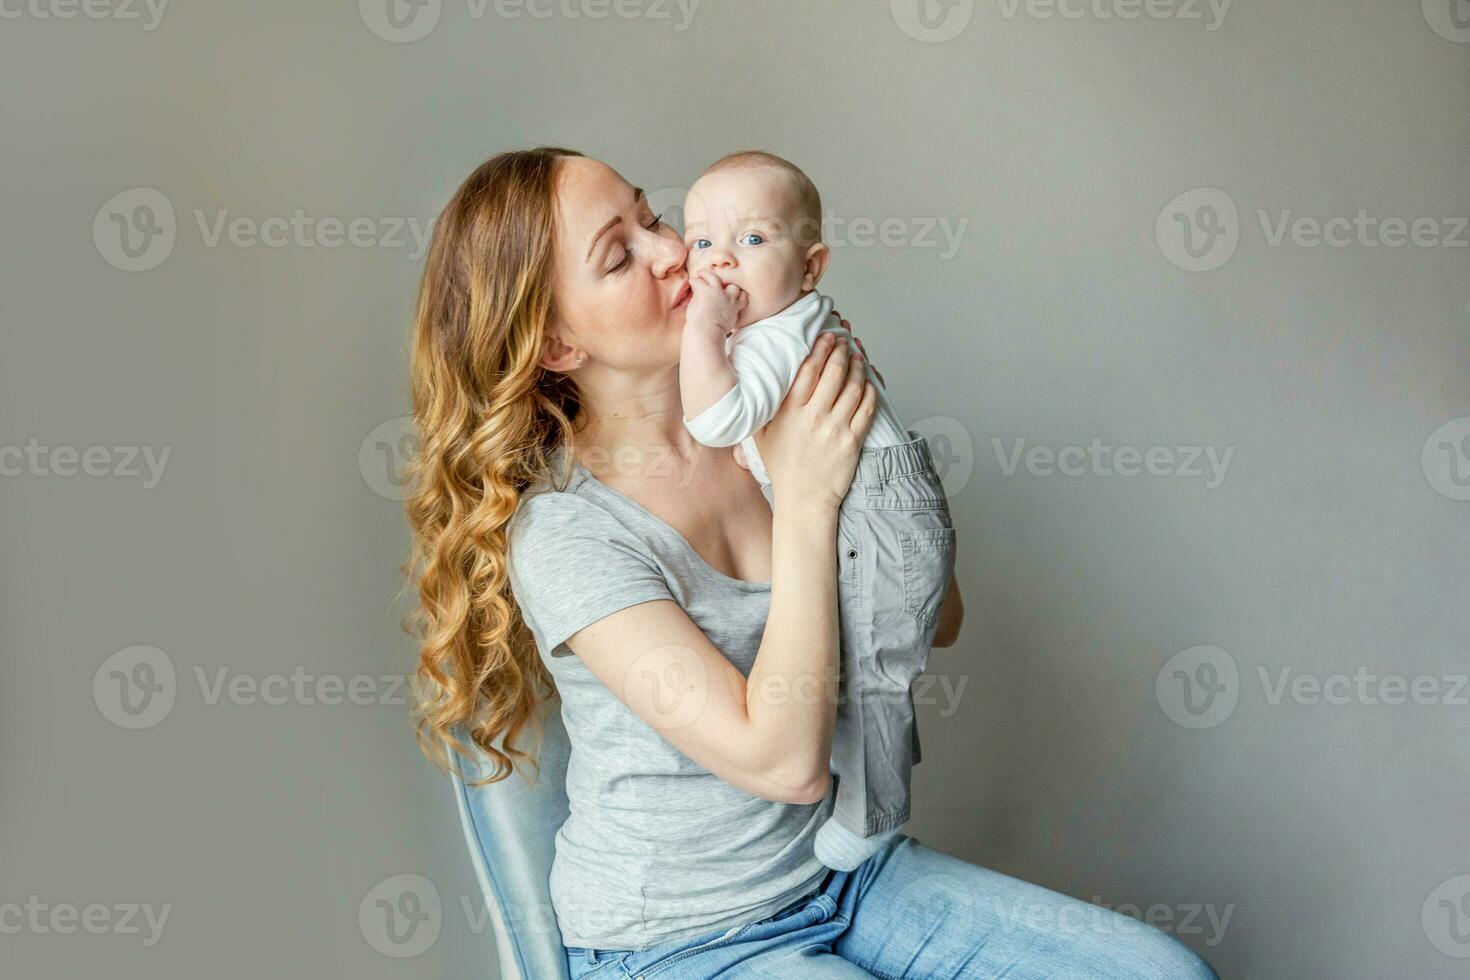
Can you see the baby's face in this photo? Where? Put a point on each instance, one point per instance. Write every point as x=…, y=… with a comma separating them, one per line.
x=741, y=225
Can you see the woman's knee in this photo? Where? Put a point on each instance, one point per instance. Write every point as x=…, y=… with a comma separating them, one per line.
x=1121, y=946
x=1164, y=957
x=1069, y=937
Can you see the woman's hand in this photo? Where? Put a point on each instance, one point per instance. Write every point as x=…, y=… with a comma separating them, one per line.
x=811, y=447
x=856, y=340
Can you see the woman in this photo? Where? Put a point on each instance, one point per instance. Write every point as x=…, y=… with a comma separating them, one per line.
x=572, y=540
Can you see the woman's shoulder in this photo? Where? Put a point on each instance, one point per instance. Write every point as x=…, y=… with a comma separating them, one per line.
x=548, y=518
x=542, y=505
x=573, y=561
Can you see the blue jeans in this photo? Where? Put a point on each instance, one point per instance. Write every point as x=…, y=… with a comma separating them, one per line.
x=912, y=912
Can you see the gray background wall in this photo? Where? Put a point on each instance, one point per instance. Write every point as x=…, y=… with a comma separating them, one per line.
x=1283, y=835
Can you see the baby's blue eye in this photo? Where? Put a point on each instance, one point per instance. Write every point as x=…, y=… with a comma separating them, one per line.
x=758, y=239
x=700, y=243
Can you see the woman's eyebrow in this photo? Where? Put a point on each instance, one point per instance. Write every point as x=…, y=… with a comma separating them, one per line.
x=637, y=196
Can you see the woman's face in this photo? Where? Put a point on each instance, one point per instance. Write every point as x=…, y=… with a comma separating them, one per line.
x=620, y=289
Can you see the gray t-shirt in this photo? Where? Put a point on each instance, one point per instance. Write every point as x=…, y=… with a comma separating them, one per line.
x=656, y=848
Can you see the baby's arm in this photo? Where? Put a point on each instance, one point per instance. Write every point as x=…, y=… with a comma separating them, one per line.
x=705, y=374
x=762, y=366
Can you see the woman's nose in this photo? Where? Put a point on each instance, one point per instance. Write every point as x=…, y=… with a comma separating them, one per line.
x=671, y=254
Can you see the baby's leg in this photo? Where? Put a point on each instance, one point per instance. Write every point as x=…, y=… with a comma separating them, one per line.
x=897, y=556
x=845, y=841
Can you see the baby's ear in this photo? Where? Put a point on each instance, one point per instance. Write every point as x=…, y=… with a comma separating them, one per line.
x=817, y=257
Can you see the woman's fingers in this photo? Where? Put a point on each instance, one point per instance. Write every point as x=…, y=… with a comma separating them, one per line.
x=833, y=377
x=867, y=410
x=876, y=373
x=806, y=375
x=858, y=403
x=852, y=392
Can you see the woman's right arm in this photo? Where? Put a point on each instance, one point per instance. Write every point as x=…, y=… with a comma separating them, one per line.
x=770, y=734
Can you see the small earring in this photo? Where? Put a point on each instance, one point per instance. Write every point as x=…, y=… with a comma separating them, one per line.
x=580, y=359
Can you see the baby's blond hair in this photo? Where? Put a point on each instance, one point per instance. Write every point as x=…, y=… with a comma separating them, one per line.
x=808, y=225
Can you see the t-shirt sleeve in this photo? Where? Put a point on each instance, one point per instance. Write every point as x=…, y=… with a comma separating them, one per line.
x=571, y=563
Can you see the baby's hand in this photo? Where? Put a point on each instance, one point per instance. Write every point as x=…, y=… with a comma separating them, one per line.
x=714, y=305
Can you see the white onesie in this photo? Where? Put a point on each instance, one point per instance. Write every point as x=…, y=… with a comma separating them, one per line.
x=766, y=355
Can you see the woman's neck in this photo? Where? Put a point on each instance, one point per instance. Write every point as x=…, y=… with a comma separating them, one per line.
x=638, y=420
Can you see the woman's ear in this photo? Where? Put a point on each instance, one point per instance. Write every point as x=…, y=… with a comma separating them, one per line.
x=557, y=356
x=817, y=257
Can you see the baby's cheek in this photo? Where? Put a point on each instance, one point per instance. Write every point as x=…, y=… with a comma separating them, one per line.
x=771, y=291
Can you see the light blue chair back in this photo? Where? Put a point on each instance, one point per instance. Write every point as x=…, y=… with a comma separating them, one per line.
x=510, y=827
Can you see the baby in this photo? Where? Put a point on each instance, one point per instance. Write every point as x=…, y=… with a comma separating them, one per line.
x=753, y=227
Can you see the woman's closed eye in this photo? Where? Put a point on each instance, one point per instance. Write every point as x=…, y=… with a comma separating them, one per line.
x=628, y=252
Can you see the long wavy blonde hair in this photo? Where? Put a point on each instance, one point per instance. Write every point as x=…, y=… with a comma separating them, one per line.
x=488, y=418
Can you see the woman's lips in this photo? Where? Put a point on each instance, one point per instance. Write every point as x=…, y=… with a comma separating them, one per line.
x=682, y=296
